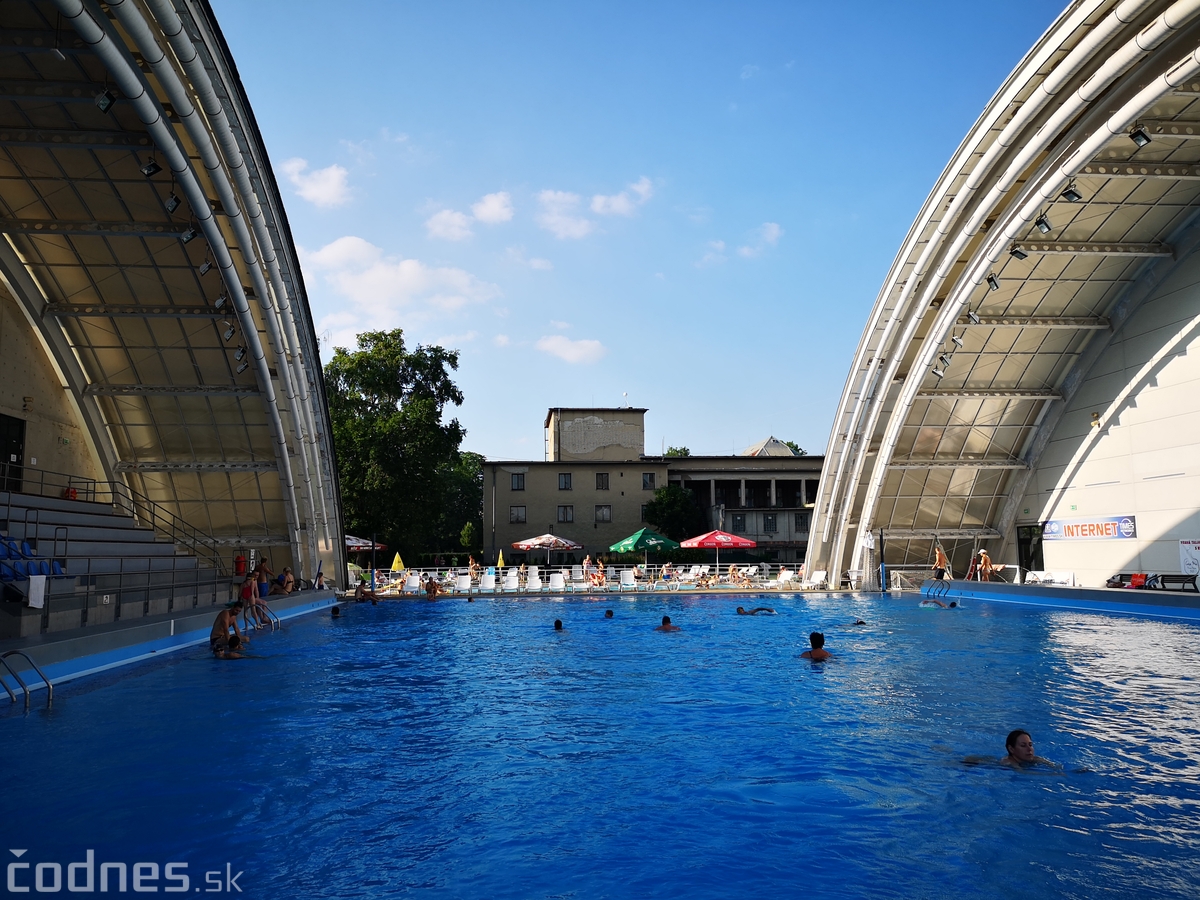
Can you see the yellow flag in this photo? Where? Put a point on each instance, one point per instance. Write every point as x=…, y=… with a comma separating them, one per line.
x=397, y=564
x=500, y=561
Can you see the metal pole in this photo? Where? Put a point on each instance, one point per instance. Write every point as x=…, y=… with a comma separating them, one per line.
x=374, y=539
x=882, y=566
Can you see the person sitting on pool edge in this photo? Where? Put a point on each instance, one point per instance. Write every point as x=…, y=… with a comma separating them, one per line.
x=755, y=611
x=666, y=625
x=818, y=653
x=1019, y=745
x=219, y=640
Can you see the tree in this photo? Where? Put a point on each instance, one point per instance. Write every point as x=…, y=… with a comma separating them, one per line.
x=469, y=536
x=401, y=473
x=678, y=451
x=795, y=448
x=675, y=512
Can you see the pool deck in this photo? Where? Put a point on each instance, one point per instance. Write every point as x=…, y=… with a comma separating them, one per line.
x=1161, y=604
x=86, y=651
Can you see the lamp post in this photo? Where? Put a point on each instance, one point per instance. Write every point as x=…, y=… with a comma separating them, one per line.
x=374, y=539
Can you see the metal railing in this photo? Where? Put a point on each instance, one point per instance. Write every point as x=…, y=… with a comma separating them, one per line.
x=43, y=483
x=24, y=687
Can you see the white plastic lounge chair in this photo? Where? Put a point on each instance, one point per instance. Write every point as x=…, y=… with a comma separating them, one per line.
x=783, y=580
x=691, y=575
x=628, y=581
x=462, y=584
x=751, y=574
x=412, y=584
x=533, y=582
x=487, y=583
x=557, y=583
x=511, y=583
x=815, y=582
x=578, y=582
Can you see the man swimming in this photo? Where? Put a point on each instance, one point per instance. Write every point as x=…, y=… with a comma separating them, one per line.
x=666, y=625
x=755, y=611
x=558, y=625
x=608, y=614
x=818, y=653
x=930, y=603
x=1020, y=751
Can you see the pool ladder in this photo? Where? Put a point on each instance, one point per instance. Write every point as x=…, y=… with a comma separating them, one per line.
x=24, y=687
x=276, y=622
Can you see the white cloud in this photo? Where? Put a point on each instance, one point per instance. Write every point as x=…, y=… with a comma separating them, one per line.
x=501, y=340
x=769, y=234
x=451, y=341
x=517, y=255
x=749, y=71
x=714, y=255
x=558, y=215
x=449, y=225
x=381, y=291
x=323, y=187
x=623, y=204
x=561, y=326
x=581, y=351
x=493, y=209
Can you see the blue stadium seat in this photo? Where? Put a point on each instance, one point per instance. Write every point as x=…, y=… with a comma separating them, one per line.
x=4, y=553
x=21, y=570
x=6, y=572
x=57, y=569
x=27, y=551
x=43, y=566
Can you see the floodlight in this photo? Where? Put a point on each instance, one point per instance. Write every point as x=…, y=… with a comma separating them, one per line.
x=1071, y=195
x=229, y=332
x=243, y=367
x=1139, y=136
x=241, y=351
x=938, y=374
x=220, y=301
x=971, y=317
x=62, y=57
x=105, y=100
x=944, y=360
x=1017, y=253
x=205, y=266
x=151, y=168
x=956, y=340
x=1043, y=224
x=190, y=235
x=172, y=202
x=993, y=282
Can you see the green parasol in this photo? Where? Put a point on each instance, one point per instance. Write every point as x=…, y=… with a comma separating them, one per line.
x=644, y=540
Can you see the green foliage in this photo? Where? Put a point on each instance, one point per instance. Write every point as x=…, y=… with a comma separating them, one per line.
x=678, y=451
x=401, y=473
x=469, y=536
x=796, y=448
x=675, y=513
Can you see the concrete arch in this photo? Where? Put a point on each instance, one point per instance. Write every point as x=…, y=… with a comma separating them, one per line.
x=146, y=246
x=1048, y=233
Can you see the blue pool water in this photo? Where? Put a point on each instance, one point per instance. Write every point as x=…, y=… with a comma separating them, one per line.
x=467, y=750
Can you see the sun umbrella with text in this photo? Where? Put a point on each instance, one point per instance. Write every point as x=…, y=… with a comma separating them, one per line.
x=643, y=540
x=548, y=542
x=718, y=540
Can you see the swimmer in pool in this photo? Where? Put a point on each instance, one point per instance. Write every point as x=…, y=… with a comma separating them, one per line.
x=335, y=612
x=1020, y=751
x=818, y=653
x=228, y=650
x=858, y=622
x=755, y=611
x=558, y=625
x=608, y=614
x=934, y=604
x=666, y=625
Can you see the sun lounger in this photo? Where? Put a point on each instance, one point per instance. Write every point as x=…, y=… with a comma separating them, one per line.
x=628, y=581
x=784, y=580
x=487, y=583
x=511, y=583
x=558, y=584
x=412, y=584
x=816, y=582
x=462, y=584
x=532, y=581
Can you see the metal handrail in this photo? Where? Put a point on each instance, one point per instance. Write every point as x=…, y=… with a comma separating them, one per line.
x=25, y=656
x=116, y=493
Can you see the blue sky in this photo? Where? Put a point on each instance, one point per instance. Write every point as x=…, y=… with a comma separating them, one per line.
x=691, y=204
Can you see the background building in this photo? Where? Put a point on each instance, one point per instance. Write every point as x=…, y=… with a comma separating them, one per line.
x=596, y=480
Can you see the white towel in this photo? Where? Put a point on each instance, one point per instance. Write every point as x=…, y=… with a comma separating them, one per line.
x=37, y=591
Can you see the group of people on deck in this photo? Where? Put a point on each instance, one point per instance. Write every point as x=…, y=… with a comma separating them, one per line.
x=982, y=566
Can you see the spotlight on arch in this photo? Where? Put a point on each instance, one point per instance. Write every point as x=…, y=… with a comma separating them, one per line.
x=1017, y=253
x=938, y=373
x=241, y=351
x=172, y=203
x=972, y=317
x=105, y=100
x=243, y=367
x=1043, y=224
x=993, y=282
x=1139, y=136
x=1071, y=195
x=944, y=360
x=190, y=235
x=205, y=266
x=956, y=340
x=229, y=332
x=151, y=168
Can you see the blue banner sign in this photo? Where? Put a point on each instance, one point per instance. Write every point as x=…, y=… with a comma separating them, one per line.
x=1098, y=528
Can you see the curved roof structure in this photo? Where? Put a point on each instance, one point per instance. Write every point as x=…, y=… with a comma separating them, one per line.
x=1072, y=200
x=149, y=271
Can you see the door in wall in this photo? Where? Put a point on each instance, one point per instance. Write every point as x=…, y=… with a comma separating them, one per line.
x=12, y=452
x=1029, y=548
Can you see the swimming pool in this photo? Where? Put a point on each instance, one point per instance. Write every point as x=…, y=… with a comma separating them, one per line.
x=457, y=749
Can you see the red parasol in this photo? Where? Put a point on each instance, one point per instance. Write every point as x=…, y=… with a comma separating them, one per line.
x=715, y=540
x=548, y=542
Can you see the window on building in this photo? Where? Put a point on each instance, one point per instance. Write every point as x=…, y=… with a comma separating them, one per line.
x=603, y=513
x=739, y=523
x=516, y=515
x=643, y=519
x=602, y=481
x=770, y=521
x=647, y=481
x=566, y=514
x=564, y=481
x=803, y=522
x=518, y=481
